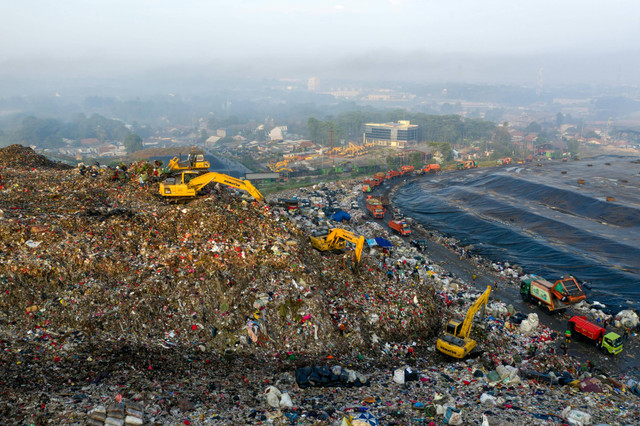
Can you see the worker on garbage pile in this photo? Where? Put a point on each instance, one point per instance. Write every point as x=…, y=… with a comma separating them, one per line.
x=567, y=336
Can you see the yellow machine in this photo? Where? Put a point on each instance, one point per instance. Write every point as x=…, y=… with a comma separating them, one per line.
x=456, y=341
x=193, y=162
x=189, y=183
x=280, y=166
x=337, y=240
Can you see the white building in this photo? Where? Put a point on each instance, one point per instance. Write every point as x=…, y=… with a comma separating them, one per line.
x=278, y=133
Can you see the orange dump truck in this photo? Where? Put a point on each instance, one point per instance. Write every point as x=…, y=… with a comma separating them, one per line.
x=431, y=168
x=407, y=169
x=400, y=226
x=393, y=173
x=375, y=208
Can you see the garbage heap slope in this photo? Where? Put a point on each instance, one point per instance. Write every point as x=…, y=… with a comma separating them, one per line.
x=105, y=259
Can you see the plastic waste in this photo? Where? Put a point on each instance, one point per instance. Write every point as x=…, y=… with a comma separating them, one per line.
x=398, y=376
x=576, y=417
x=453, y=416
x=485, y=398
x=285, y=400
x=273, y=396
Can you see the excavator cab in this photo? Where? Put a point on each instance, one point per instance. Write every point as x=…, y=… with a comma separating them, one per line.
x=453, y=327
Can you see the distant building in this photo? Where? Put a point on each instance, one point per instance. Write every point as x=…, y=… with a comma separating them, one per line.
x=397, y=135
x=278, y=133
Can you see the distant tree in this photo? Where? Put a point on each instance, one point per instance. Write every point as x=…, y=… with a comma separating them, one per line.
x=533, y=127
x=559, y=119
x=542, y=138
x=415, y=159
x=573, y=147
x=444, y=148
x=132, y=143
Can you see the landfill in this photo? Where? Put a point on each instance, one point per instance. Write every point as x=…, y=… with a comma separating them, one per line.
x=118, y=308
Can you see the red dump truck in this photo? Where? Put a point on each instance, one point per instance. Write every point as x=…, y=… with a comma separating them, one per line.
x=393, y=173
x=400, y=226
x=375, y=207
x=431, y=168
x=407, y=169
x=607, y=342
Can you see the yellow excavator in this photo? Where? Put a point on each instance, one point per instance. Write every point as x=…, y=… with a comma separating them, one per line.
x=193, y=162
x=456, y=341
x=189, y=183
x=337, y=239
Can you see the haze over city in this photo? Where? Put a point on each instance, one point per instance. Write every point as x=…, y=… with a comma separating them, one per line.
x=46, y=44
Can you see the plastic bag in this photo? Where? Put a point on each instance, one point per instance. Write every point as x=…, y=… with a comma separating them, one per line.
x=576, y=417
x=398, y=376
x=273, y=396
x=285, y=400
x=453, y=416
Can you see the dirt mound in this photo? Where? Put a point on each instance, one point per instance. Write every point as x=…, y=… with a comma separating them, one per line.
x=18, y=156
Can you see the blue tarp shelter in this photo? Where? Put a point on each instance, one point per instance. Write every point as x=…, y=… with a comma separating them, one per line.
x=383, y=242
x=341, y=215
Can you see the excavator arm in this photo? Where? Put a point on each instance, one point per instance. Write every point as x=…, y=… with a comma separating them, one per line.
x=338, y=233
x=203, y=180
x=191, y=183
x=481, y=302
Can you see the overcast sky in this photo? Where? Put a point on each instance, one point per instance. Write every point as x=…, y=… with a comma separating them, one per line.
x=462, y=39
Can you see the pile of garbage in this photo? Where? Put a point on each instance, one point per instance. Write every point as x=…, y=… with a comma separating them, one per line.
x=18, y=156
x=117, y=308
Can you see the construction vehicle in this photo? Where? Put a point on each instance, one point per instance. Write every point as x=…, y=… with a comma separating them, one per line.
x=469, y=164
x=539, y=291
x=379, y=177
x=456, y=341
x=551, y=297
x=393, y=173
x=431, y=168
x=607, y=342
x=407, y=170
x=503, y=161
x=336, y=239
x=280, y=166
x=400, y=226
x=375, y=208
x=188, y=185
x=372, y=183
x=193, y=162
